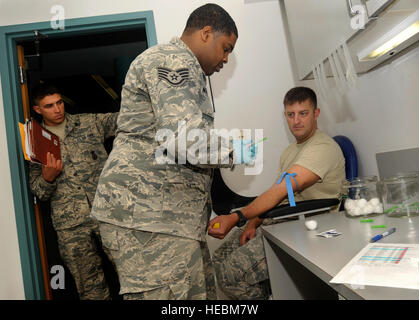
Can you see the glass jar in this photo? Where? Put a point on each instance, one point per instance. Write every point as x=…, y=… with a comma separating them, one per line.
x=362, y=197
x=400, y=195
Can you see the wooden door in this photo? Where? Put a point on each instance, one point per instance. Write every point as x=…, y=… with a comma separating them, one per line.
x=38, y=214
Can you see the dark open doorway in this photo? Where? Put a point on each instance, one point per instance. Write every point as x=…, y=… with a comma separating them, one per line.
x=89, y=70
x=13, y=101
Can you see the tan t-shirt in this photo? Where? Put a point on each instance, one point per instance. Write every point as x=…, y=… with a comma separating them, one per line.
x=58, y=130
x=321, y=155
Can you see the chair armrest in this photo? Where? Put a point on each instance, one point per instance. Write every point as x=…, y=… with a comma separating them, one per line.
x=300, y=208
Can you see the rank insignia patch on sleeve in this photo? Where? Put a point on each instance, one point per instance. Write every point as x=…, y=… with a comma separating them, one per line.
x=174, y=77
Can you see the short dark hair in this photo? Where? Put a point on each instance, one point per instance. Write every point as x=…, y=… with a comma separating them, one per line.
x=212, y=15
x=300, y=94
x=42, y=90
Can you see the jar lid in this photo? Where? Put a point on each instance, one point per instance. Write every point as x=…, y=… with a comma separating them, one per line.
x=412, y=175
x=360, y=181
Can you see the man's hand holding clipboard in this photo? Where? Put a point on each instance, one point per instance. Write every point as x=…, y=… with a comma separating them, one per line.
x=52, y=169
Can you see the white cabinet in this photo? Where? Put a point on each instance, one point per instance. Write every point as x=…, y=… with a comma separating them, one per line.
x=317, y=27
x=374, y=7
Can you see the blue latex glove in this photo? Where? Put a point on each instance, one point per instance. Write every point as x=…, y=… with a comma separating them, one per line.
x=244, y=151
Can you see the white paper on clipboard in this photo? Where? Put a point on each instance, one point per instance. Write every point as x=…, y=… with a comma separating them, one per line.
x=384, y=265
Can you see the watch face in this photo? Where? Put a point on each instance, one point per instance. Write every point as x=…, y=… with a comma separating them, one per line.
x=242, y=219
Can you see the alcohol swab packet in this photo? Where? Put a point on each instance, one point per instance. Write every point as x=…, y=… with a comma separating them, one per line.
x=329, y=233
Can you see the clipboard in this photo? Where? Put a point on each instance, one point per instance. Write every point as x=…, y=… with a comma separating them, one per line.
x=38, y=141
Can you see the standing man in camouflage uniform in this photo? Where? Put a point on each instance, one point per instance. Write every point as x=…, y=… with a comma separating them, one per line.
x=154, y=216
x=71, y=183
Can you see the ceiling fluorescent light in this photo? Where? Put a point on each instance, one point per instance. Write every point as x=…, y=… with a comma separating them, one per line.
x=404, y=31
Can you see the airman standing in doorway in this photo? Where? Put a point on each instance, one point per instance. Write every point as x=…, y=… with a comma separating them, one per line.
x=71, y=183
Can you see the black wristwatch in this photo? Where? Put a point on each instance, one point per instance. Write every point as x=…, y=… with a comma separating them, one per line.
x=242, y=218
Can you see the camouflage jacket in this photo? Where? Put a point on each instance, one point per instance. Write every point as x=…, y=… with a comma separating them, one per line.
x=164, y=85
x=83, y=155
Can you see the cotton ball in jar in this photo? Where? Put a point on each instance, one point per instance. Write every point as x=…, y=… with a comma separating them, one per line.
x=379, y=208
x=349, y=204
x=361, y=203
x=374, y=202
x=368, y=209
x=356, y=211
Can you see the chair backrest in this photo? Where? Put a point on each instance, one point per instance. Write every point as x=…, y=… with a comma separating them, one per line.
x=351, y=160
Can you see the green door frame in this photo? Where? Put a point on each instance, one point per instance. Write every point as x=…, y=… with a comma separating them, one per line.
x=12, y=102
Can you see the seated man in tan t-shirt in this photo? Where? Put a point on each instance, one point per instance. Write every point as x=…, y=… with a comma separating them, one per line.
x=319, y=165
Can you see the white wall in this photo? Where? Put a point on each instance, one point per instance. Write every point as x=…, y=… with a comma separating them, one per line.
x=248, y=92
x=11, y=282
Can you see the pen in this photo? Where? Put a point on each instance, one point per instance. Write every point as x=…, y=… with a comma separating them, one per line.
x=378, y=237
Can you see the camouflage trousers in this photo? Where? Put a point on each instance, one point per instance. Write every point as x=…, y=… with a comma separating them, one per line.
x=78, y=250
x=242, y=271
x=155, y=266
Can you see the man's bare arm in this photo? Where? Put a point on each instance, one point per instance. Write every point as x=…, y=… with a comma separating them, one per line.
x=266, y=201
x=278, y=192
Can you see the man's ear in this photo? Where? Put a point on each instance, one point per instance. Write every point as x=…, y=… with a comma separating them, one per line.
x=316, y=113
x=206, y=32
x=37, y=109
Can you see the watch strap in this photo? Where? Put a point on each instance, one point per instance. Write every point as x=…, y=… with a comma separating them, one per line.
x=242, y=218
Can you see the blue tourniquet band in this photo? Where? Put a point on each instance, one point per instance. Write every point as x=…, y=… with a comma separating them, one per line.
x=289, y=186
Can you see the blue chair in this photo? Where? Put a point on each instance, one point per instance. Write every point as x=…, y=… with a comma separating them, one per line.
x=351, y=160
x=349, y=153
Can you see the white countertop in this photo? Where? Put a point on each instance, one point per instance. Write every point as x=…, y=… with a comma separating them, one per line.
x=325, y=257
